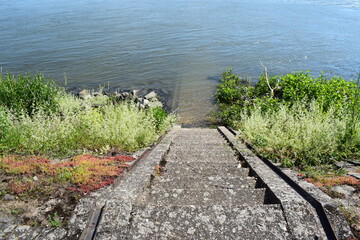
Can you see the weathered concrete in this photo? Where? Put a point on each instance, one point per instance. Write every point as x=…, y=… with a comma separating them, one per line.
x=209, y=222
x=222, y=197
x=201, y=155
x=205, y=172
x=302, y=218
x=204, y=193
x=203, y=164
x=201, y=183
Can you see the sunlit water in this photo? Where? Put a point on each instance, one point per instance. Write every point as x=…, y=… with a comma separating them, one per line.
x=179, y=46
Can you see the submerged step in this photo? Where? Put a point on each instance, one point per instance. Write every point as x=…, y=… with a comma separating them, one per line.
x=208, y=222
x=214, y=182
x=164, y=197
x=204, y=171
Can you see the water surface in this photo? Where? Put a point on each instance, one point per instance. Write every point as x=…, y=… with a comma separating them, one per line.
x=181, y=46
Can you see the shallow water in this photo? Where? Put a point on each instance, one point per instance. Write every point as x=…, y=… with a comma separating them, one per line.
x=179, y=46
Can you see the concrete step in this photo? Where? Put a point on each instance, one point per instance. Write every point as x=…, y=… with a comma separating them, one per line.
x=197, y=148
x=208, y=222
x=200, y=156
x=200, y=141
x=213, y=182
x=164, y=197
x=203, y=136
x=198, y=132
x=202, y=164
x=205, y=171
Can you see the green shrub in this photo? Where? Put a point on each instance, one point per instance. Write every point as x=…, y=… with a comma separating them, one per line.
x=335, y=92
x=27, y=94
x=160, y=117
x=300, y=121
x=232, y=89
x=233, y=94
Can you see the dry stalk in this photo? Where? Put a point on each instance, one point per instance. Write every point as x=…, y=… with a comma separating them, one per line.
x=267, y=79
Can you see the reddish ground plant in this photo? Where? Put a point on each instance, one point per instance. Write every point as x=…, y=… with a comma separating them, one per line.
x=83, y=173
x=34, y=181
x=333, y=181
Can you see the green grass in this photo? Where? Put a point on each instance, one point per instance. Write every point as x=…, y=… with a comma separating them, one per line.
x=304, y=121
x=54, y=221
x=75, y=125
x=26, y=94
x=299, y=136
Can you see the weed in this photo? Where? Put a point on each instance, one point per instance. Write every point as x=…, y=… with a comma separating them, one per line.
x=20, y=186
x=333, y=194
x=54, y=220
x=17, y=211
x=39, y=118
x=294, y=119
x=322, y=171
x=123, y=127
x=298, y=135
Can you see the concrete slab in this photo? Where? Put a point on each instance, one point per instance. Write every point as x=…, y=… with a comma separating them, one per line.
x=203, y=155
x=209, y=222
x=186, y=172
x=165, y=197
x=213, y=182
x=218, y=164
x=188, y=157
x=200, y=141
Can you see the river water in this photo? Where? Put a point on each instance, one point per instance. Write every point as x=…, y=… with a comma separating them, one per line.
x=179, y=46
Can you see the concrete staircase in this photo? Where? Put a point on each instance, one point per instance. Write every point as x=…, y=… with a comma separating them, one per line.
x=203, y=192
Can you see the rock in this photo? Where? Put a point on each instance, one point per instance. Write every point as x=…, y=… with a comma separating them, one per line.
x=156, y=104
x=9, y=197
x=356, y=229
x=150, y=95
x=146, y=103
x=135, y=93
x=346, y=190
x=84, y=94
x=97, y=93
x=125, y=95
x=51, y=234
x=117, y=97
x=139, y=100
